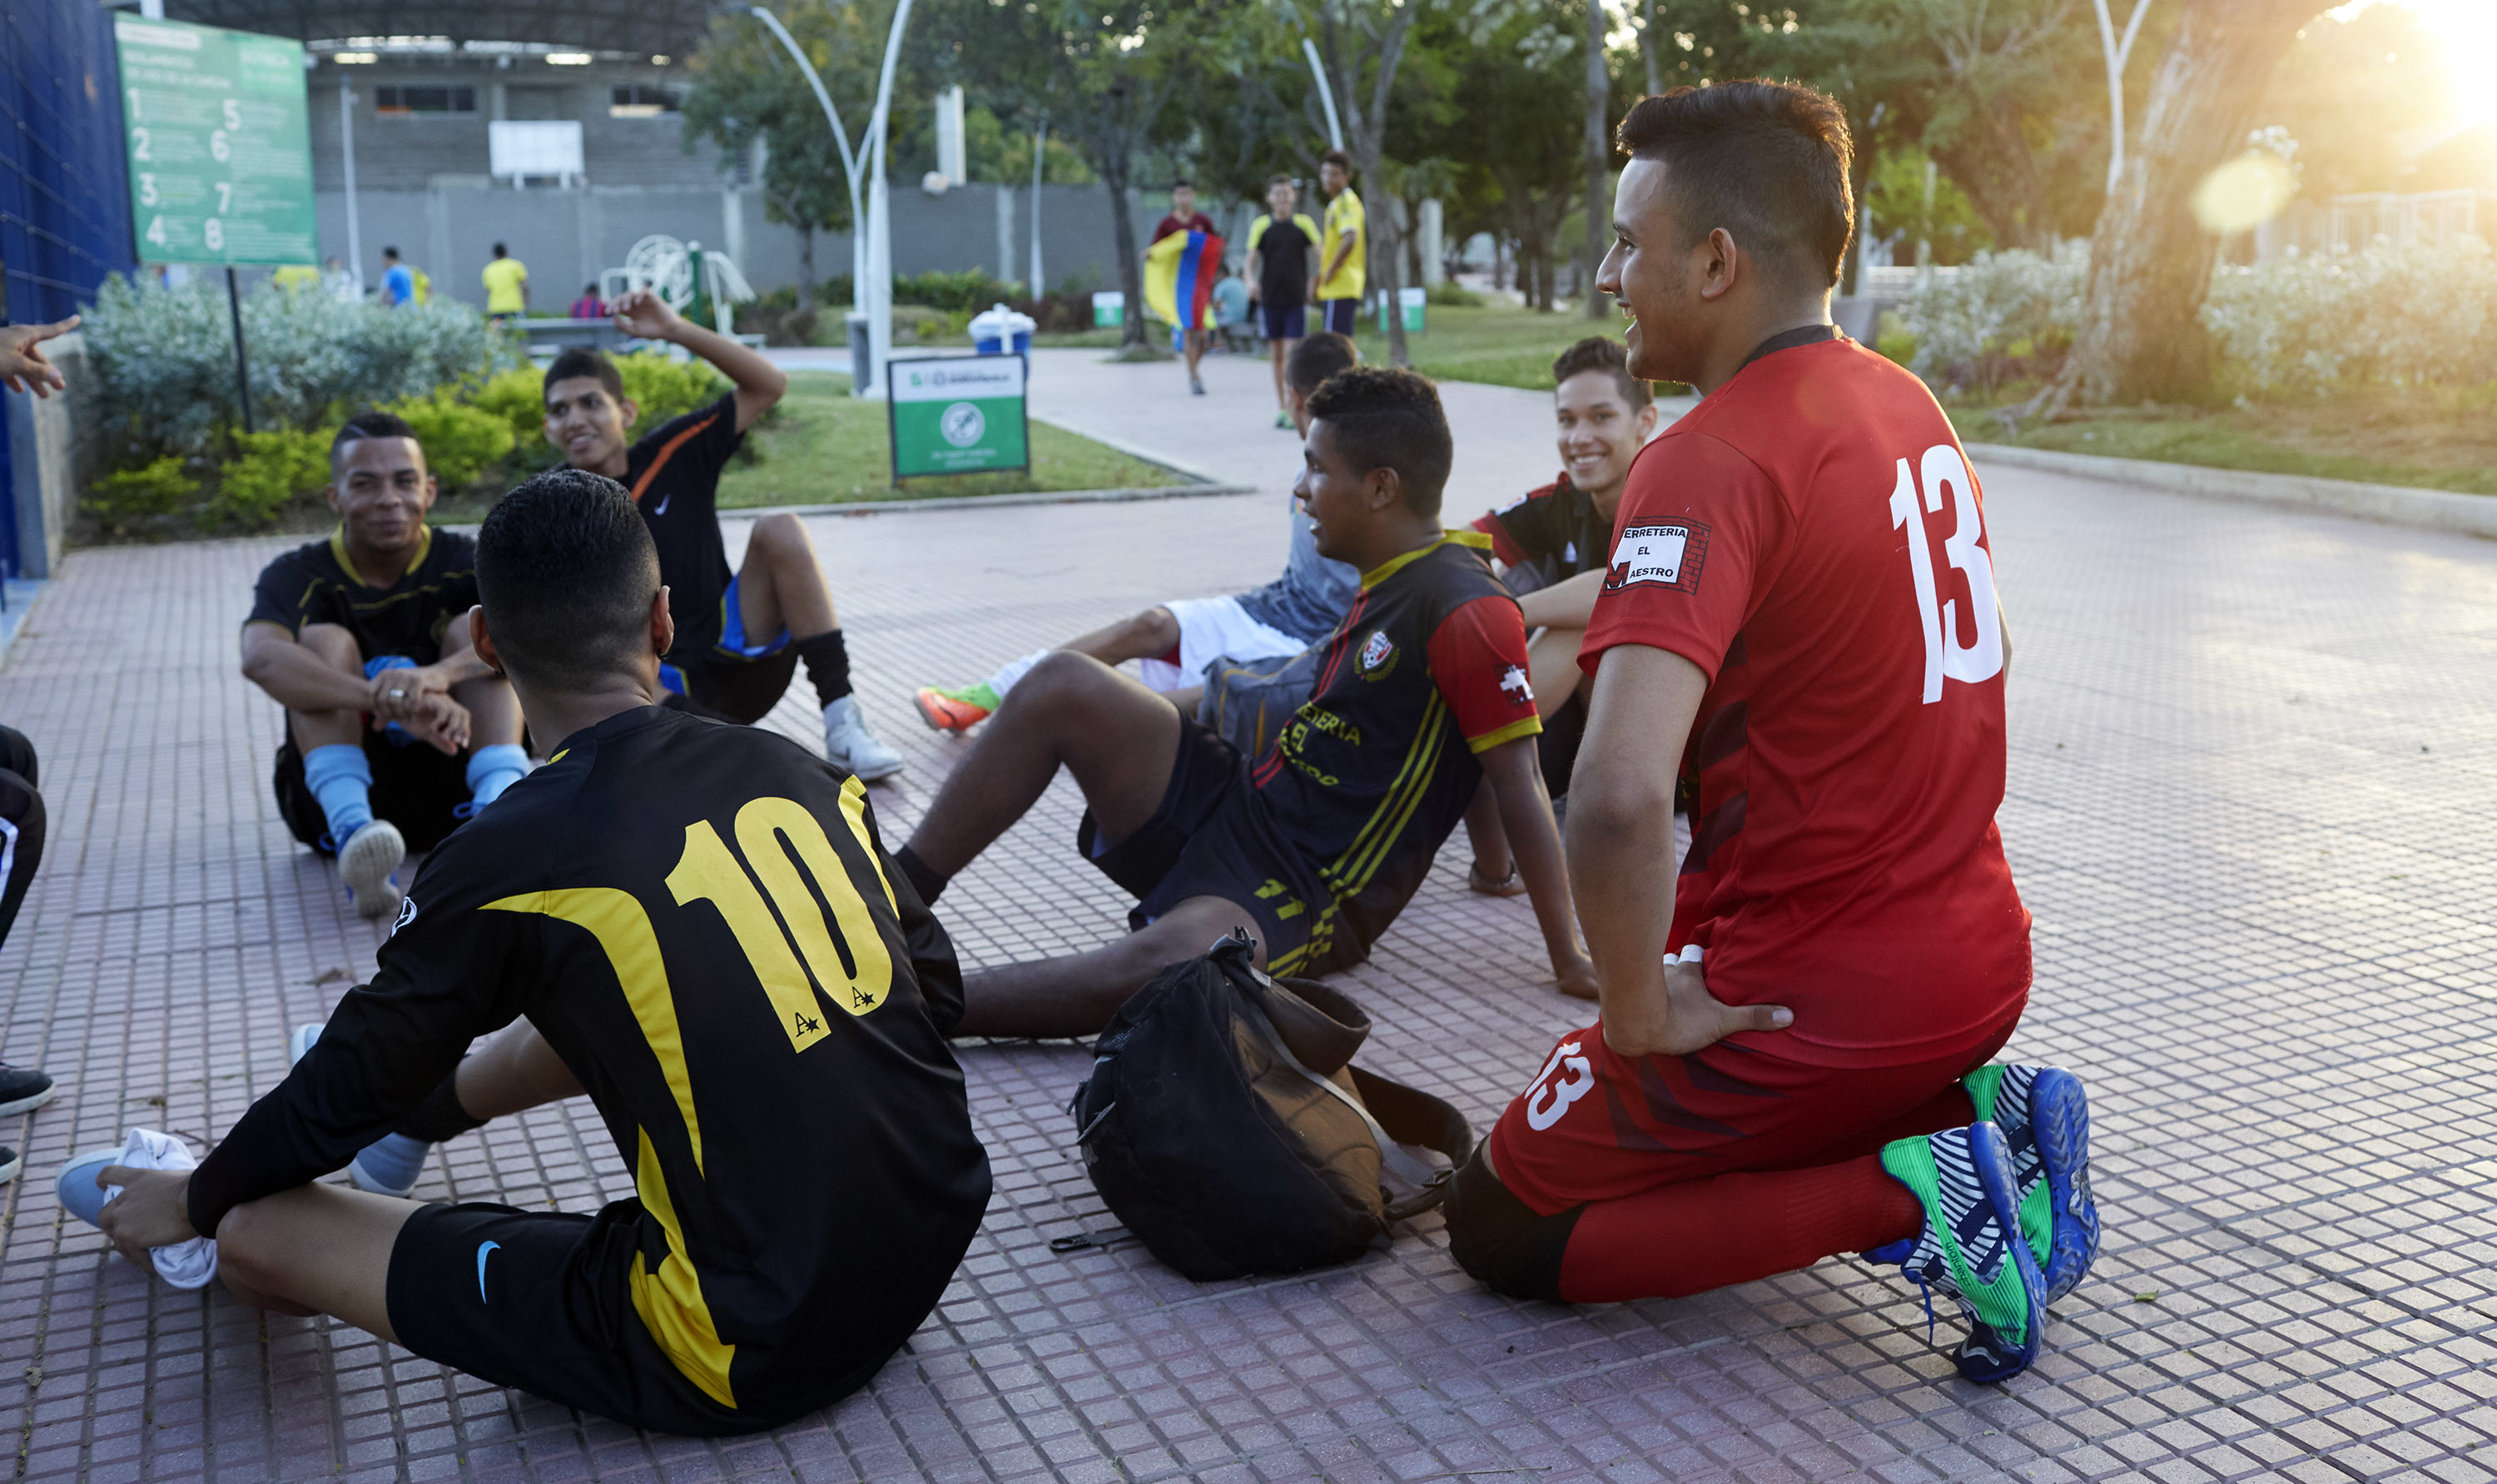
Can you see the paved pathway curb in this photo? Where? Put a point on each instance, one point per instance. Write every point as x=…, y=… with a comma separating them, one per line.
x=987, y=501
x=2442, y=510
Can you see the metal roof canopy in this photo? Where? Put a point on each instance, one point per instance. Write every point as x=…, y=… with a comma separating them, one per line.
x=664, y=27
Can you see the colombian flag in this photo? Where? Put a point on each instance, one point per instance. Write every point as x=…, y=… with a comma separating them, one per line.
x=1179, y=269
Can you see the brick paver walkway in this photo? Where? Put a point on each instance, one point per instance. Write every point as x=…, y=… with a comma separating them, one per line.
x=2250, y=804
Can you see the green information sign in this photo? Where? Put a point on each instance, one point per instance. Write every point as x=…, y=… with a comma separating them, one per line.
x=957, y=415
x=220, y=143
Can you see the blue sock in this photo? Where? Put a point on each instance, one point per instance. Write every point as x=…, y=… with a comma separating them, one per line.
x=494, y=769
x=342, y=780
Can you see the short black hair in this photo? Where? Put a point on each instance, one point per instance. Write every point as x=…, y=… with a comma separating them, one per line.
x=372, y=422
x=390, y=252
x=1337, y=157
x=1602, y=353
x=1769, y=161
x=581, y=360
x=566, y=570
x=498, y=250
x=1183, y=185
x=1388, y=417
x=1316, y=357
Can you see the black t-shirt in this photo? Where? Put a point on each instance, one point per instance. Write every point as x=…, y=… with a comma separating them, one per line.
x=1283, y=264
x=316, y=583
x=1548, y=535
x=674, y=474
x=701, y=920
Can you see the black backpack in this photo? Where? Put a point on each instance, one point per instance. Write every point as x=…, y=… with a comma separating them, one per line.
x=1225, y=1124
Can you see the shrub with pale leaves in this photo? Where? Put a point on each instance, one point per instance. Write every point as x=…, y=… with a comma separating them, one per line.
x=1964, y=322
x=2420, y=315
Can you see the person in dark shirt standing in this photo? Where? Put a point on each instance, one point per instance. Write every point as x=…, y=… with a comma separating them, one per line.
x=694, y=923
x=1185, y=217
x=1316, y=846
x=1283, y=274
x=739, y=634
x=395, y=728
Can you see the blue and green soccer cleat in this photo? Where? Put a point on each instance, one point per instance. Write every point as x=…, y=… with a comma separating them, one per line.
x=2045, y=1121
x=1970, y=1248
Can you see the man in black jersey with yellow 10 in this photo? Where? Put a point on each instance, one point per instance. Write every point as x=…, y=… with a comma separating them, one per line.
x=697, y=925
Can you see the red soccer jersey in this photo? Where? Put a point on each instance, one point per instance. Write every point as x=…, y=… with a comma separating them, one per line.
x=1809, y=536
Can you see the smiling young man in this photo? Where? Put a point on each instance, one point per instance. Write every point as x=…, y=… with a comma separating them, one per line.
x=1799, y=609
x=735, y=648
x=395, y=728
x=692, y=923
x=1315, y=846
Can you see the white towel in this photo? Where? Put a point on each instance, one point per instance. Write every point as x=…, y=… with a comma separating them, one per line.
x=191, y=1264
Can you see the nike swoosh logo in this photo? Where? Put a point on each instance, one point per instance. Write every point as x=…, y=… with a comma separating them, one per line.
x=484, y=1250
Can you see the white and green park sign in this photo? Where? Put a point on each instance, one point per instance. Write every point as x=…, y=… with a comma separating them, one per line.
x=219, y=142
x=957, y=415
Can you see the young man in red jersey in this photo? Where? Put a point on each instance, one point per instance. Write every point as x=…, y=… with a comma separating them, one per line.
x=1800, y=611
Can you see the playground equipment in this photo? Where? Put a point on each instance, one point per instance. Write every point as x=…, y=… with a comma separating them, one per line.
x=685, y=276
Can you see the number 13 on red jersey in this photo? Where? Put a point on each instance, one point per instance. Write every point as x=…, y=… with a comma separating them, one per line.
x=1943, y=469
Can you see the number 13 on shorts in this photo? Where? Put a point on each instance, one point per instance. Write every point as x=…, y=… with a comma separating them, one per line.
x=1945, y=658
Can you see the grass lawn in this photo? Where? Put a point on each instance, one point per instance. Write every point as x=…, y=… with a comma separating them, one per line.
x=1498, y=343
x=2429, y=439
x=821, y=448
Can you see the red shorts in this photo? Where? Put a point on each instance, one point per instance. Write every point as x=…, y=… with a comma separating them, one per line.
x=1597, y=1127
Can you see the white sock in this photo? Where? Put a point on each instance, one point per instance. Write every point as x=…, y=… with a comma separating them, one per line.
x=1013, y=671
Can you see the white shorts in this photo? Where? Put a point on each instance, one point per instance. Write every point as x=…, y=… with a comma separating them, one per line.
x=1212, y=629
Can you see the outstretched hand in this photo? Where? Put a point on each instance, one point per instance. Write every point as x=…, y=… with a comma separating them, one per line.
x=1673, y=1015
x=22, y=366
x=153, y=1210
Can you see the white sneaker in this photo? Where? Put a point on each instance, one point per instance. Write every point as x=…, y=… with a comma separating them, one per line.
x=848, y=743
x=371, y=854
x=300, y=1039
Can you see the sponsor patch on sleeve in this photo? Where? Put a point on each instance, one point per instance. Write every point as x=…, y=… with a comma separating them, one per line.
x=1660, y=556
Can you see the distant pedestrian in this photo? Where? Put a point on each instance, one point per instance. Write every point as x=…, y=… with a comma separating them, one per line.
x=507, y=287
x=1282, y=272
x=1345, y=251
x=589, y=306
x=1230, y=306
x=1185, y=217
x=398, y=280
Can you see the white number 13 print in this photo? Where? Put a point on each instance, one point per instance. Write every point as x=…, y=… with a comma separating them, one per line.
x=1944, y=655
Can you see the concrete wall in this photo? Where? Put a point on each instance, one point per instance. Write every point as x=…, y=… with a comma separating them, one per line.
x=48, y=451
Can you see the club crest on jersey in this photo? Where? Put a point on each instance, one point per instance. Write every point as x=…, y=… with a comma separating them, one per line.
x=1659, y=557
x=1377, y=656
x=406, y=914
x=1515, y=684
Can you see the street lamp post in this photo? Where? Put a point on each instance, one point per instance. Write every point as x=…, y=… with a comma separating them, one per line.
x=878, y=304
x=841, y=139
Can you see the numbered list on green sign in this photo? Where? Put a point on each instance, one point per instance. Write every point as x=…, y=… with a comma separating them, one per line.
x=220, y=143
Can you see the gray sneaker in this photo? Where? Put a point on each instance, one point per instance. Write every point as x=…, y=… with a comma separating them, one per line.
x=848, y=743
x=371, y=855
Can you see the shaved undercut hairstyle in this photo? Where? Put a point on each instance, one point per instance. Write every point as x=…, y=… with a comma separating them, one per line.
x=1316, y=357
x=370, y=424
x=1384, y=418
x=1769, y=161
x=1599, y=353
x=581, y=360
x=566, y=571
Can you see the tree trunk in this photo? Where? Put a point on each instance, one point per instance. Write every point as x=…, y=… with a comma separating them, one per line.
x=1650, y=43
x=1599, y=86
x=1113, y=169
x=1387, y=256
x=805, y=267
x=2140, y=335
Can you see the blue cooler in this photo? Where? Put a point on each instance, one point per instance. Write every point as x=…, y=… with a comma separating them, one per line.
x=998, y=331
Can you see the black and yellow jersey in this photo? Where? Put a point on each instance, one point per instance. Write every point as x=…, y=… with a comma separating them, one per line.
x=1427, y=669
x=699, y=918
x=316, y=583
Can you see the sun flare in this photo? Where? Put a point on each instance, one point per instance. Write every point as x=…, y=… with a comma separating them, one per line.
x=2468, y=30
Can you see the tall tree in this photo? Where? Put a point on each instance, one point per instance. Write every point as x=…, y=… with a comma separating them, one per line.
x=1597, y=79
x=2140, y=335
x=1361, y=44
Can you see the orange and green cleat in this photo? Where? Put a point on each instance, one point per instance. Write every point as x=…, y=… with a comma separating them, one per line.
x=956, y=710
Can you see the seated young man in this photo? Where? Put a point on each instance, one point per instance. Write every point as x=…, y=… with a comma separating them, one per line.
x=1316, y=846
x=1177, y=640
x=1797, y=1066
x=395, y=728
x=735, y=654
x=694, y=923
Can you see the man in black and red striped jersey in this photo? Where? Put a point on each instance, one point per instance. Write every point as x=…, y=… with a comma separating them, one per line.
x=739, y=632
x=1315, y=846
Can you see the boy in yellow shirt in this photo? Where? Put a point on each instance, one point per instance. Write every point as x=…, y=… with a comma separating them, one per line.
x=1342, y=252
x=507, y=287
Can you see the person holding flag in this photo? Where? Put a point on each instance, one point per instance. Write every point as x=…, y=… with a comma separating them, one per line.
x=1180, y=273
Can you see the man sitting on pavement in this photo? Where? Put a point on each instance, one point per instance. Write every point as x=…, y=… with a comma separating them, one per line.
x=395, y=728
x=695, y=925
x=1176, y=641
x=1793, y=1054
x=735, y=652
x=1315, y=846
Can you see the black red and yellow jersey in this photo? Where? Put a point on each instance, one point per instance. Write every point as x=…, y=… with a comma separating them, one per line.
x=316, y=583
x=674, y=474
x=1555, y=533
x=699, y=920
x=1427, y=670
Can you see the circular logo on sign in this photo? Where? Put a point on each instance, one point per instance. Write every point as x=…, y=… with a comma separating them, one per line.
x=963, y=425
